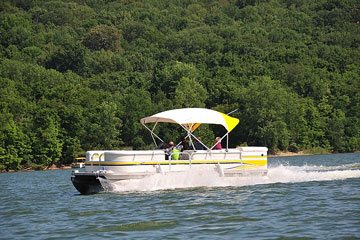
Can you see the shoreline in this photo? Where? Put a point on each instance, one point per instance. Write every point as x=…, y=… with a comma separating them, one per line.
x=52, y=167
x=56, y=167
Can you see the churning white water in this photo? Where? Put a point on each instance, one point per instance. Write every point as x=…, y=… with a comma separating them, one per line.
x=276, y=174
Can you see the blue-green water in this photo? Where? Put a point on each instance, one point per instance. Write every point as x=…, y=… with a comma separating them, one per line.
x=312, y=197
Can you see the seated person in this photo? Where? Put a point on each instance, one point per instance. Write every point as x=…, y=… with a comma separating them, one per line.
x=175, y=154
x=184, y=144
x=198, y=145
x=218, y=145
x=169, y=150
x=172, y=150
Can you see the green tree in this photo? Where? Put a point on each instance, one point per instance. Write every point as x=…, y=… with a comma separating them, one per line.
x=70, y=56
x=335, y=131
x=189, y=93
x=47, y=144
x=137, y=104
x=15, y=29
x=168, y=78
x=103, y=37
x=63, y=13
x=12, y=144
x=267, y=105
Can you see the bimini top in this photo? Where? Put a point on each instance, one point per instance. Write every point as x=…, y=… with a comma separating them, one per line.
x=194, y=117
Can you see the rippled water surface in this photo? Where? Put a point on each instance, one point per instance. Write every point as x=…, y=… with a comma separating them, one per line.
x=312, y=197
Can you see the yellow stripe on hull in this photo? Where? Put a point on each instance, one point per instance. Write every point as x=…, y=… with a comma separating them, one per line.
x=255, y=162
x=260, y=161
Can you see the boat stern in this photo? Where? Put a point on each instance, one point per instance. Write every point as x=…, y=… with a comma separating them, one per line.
x=87, y=182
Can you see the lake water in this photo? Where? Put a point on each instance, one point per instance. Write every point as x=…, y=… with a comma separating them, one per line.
x=307, y=197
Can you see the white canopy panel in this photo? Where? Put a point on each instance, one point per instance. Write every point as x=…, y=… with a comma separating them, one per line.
x=193, y=116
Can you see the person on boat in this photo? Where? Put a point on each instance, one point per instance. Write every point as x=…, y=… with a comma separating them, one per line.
x=169, y=150
x=172, y=151
x=175, y=154
x=184, y=144
x=198, y=145
x=218, y=144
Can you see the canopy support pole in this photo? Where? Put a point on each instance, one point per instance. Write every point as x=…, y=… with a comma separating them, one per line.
x=191, y=133
x=227, y=141
x=152, y=133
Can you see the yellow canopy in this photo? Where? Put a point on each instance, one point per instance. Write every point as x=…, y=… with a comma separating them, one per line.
x=193, y=117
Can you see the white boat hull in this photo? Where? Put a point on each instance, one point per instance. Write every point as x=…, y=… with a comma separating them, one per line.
x=125, y=165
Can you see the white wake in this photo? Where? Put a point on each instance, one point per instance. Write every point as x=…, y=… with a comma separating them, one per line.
x=192, y=179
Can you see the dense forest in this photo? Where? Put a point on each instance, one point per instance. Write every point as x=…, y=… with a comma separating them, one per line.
x=78, y=75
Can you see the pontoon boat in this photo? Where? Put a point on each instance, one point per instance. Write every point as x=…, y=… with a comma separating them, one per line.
x=79, y=162
x=118, y=165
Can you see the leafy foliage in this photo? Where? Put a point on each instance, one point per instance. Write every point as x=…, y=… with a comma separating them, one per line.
x=103, y=37
x=78, y=75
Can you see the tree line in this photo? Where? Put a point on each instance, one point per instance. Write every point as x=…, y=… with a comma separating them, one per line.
x=78, y=75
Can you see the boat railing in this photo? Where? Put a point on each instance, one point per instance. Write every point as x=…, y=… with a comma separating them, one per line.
x=96, y=158
x=210, y=155
x=216, y=155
